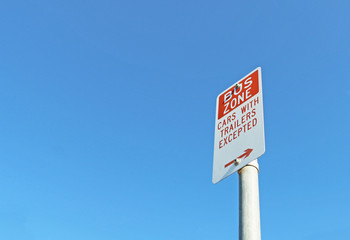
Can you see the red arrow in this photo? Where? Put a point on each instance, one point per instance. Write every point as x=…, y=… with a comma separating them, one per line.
x=246, y=153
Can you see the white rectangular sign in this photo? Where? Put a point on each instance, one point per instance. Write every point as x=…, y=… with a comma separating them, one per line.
x=239, y=126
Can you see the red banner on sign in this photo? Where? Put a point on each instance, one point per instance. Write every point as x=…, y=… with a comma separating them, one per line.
x=238, y=94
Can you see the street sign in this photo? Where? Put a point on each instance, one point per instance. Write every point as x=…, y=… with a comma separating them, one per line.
x=239, y=126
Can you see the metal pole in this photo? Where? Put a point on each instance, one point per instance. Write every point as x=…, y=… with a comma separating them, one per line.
x=249, y=209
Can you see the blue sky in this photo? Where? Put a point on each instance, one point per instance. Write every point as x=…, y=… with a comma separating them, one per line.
x=108, y=112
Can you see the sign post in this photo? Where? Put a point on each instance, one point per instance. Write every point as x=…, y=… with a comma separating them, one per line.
x=239, y=141
x=249, y=207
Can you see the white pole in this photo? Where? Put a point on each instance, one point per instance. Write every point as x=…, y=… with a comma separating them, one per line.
x=249, y=209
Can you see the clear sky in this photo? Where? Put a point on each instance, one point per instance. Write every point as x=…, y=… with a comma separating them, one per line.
x=108, y=112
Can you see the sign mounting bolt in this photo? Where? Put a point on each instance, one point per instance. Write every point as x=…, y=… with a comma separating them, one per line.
x=238, y=161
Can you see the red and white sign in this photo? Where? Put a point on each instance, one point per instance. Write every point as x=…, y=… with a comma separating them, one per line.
x=239, y=126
